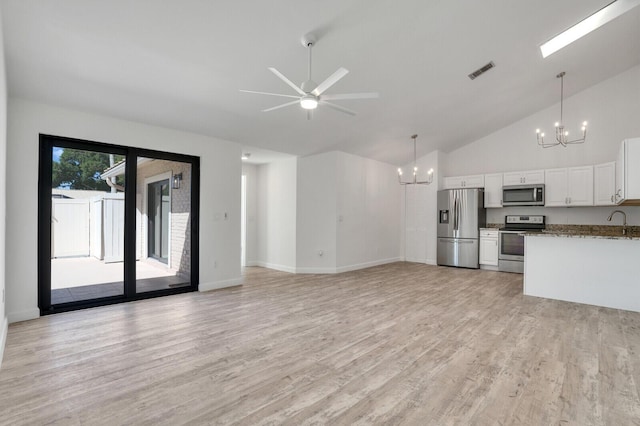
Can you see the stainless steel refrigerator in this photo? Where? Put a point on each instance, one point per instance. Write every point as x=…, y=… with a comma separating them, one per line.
x=461, y=214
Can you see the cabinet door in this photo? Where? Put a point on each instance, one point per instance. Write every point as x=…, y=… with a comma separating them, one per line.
x=475, y=181
x=620, y=168
x=580, y=186
x=604, y=184
x=493, y=190
x=632, y=169
x=512, y=178
x=452, y=182
x=488, y=251
x=555, y=194
x=533, y=177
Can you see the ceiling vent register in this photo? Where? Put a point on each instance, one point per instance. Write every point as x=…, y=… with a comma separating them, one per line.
x=477, y=73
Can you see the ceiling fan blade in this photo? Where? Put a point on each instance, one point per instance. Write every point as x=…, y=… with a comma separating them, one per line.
x=338, y=108
x=309, y=114
x=286, y=80
x=281, y=106
x=371, y=95
x=271, y=94
x=333, y=79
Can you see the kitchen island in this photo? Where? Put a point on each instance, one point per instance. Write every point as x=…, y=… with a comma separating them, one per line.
x=590, y=269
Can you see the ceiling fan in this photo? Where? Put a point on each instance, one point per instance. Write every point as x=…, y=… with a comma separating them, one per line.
x=309, y=93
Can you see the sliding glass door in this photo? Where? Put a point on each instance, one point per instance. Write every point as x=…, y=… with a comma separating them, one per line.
x=115, y=224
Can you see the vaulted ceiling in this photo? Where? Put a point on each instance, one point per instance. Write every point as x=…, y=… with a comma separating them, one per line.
x=180, y=64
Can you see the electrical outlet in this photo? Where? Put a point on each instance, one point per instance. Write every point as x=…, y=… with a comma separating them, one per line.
x=320, y=253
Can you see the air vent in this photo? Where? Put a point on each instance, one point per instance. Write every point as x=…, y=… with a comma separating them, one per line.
x=477, y=73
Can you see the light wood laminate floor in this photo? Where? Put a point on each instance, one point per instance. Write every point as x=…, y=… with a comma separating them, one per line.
x=397, y=344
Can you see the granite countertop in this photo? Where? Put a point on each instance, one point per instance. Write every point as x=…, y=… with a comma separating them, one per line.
x=589, y=231
x=578, y=235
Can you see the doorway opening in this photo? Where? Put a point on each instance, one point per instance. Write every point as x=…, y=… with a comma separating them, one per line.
x=159, y=205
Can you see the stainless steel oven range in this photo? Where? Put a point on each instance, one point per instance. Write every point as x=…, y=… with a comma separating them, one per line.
x=511, y=240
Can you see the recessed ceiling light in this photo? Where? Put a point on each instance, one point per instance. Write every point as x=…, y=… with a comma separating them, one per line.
x=245, y=156
x=584, y=27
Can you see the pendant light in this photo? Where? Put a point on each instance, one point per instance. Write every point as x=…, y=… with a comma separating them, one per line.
x=562, y=135
x=415, y=180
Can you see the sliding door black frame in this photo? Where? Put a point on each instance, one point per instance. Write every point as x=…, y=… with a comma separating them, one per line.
x=47, y=142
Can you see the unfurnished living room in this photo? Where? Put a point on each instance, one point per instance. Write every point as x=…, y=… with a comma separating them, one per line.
x=314, y=212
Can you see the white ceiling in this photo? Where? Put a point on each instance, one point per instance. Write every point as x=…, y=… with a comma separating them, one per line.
x=180, y=64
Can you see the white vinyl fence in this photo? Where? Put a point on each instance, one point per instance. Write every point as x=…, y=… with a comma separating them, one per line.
x=89, y=227
x=70, y=228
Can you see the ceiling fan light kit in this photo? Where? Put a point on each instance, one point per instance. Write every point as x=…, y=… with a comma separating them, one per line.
x=415, y=180
x=562, y=135
x=309, y=93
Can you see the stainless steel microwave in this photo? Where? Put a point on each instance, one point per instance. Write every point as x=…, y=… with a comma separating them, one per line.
x=523, y=195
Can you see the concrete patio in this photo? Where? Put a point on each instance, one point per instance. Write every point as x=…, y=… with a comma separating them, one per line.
x=84, y=278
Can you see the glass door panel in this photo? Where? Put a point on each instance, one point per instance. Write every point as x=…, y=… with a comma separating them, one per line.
x=163, y=223
x=87, y=225
x=105, y=239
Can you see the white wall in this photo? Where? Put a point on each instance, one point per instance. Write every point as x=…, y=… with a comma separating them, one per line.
x=220, y=169
x=570, y=215
x=611, y=107
x=349, y=208
x=277, y=215
x=420, y=210
x=316, y=215
x=369, y=210
x=251, y=249
x=3, y=195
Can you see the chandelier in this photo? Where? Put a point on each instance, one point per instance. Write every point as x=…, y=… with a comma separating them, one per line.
x=562, y=135
x=415, y=180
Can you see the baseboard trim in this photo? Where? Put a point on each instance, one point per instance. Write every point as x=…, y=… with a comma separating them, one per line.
x=233, y=282
x=275, y=266
x=315, y=270
x=3, y=337
x=431, y=262
x=356, y=266
x=23, y=315
x=251, y=263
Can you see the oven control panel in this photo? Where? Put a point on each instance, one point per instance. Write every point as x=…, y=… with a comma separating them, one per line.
x=518, y=219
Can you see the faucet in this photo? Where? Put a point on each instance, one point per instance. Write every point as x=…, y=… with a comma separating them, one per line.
x=624, y=218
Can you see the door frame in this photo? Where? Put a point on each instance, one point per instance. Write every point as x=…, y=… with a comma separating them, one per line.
x=46, y=144
x=144, y=248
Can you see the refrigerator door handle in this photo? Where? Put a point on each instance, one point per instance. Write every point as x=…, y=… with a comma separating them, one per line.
x=455, y=214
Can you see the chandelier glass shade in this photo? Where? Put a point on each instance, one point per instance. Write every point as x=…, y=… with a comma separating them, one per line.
x=415, y=180
x=562, y=135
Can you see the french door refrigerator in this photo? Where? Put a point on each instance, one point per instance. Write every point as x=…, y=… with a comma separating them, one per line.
x=461, y=214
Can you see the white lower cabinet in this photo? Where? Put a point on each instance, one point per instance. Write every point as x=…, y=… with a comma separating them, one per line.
x=489, y=247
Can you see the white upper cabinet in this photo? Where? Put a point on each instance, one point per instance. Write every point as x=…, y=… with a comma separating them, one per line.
x=493, y=190
x=523, y=178
x=474, y=181
x=604, y=184
x=569, y=187
x=628, y=171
